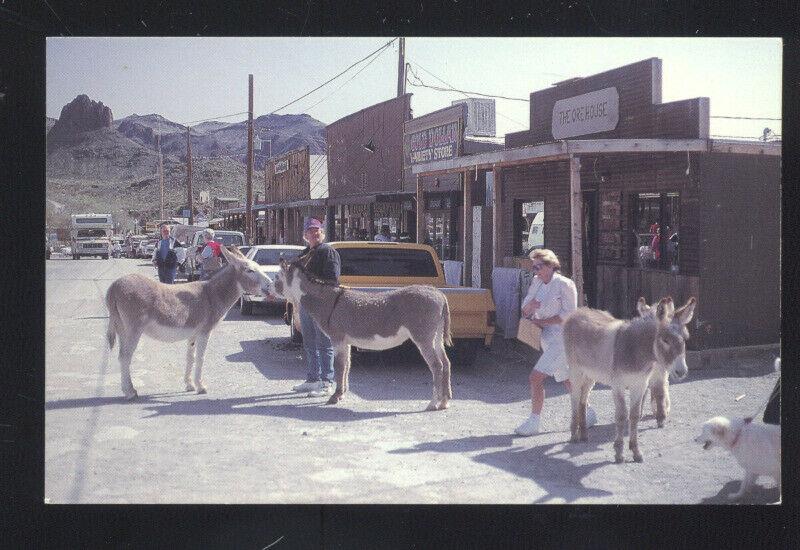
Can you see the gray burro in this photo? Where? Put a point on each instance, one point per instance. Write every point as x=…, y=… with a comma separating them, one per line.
x=375, y=321
x=624, y=354
x=171, y=313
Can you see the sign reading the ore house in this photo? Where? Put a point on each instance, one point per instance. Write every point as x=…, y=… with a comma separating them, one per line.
x=437, y=143
x=590, y=113
x=281, y=166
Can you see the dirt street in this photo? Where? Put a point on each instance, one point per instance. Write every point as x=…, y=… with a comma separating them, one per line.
x=252, y=440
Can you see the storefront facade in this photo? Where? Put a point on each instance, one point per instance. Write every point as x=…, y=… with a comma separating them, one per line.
x=636, y=200
x=366, y=173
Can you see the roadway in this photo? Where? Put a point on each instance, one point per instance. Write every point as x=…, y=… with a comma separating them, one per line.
x=251, y=440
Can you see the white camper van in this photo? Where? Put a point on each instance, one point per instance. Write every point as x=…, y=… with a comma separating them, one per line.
x=90, y=235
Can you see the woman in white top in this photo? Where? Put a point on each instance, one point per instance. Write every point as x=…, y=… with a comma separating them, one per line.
x=551, y=297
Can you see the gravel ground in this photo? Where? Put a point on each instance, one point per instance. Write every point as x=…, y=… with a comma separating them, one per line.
x=251, y=440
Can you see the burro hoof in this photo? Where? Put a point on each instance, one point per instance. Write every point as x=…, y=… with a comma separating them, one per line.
x=575, y=439
x=443, y=405
x=584, y=438
x=131, y=396
x=334, y=399
x=637, y=457
x=431, y=406
x=618, y=459
x=201, y=390
x=660, y=423
x=189, y=387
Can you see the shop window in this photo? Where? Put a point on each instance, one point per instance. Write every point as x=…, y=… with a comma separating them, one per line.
x=655, y=224
x=528, y=226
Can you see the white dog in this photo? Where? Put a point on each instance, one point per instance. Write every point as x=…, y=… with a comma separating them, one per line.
x=755, y=446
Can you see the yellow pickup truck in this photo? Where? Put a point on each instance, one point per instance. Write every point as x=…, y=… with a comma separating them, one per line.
x=380, y=266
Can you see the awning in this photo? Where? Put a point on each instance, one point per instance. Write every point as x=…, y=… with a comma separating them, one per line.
x=399, y=196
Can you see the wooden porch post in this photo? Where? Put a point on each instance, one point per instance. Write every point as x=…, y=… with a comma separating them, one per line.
x=420, y=211
x=576, y=225
x=497, y=212
x=468, y=179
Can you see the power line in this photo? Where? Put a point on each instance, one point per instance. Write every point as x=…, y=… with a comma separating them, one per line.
x=440, y=89
x=213, y=118
x=745, y=117
x=462, y=93
x=335, y=77
x=348, y=80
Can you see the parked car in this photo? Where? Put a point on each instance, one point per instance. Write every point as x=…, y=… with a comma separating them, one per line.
x=196, y=245
x=379, y=266
x=269, y=257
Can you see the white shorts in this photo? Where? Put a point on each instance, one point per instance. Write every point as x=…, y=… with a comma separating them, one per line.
x=553, y=361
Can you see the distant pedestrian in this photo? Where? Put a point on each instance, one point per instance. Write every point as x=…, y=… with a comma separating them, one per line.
x=385, y=234
x=210, y=256
x=551, y=297
x=164, y=256
x=322, y=261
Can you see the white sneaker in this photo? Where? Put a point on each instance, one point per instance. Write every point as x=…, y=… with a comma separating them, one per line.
x=326, y=388
x=591, y=416
x=307, y=386
x=530, y=426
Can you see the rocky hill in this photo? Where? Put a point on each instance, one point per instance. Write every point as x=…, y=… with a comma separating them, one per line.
x=96, y=163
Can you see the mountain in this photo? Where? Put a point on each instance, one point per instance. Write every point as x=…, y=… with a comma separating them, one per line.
x=96, y=163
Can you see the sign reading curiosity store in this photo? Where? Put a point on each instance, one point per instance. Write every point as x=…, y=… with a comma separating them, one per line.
x=437, y=143
x=590, y=113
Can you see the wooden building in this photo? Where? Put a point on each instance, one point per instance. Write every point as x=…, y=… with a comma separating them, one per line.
x=366, y=173
x=443, y=221
x=636, y=200
x=295, y=187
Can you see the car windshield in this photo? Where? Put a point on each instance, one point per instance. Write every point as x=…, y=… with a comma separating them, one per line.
x=387, y=262
x=273, y=256
x=229, y=240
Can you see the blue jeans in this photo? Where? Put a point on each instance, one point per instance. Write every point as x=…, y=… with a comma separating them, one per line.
x=318, y=348
x=166, y=275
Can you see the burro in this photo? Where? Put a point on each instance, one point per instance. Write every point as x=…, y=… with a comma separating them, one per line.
x=139, y=305
x=623, y=354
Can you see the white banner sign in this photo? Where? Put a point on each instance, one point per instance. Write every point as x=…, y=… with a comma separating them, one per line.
x=281, y=166
x=590, y=113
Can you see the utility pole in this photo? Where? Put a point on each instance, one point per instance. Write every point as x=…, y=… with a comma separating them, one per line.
x=189, y=171
x=401, y=68
x=248, y=219
x=160, y=173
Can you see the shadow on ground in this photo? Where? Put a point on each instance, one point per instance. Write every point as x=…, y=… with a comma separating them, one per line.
x=757, y=495
x=313, y=411
x=549, y=466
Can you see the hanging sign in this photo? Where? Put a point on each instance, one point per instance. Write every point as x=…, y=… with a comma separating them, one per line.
x=590, y=113
x=437, y=143
x=281, y=166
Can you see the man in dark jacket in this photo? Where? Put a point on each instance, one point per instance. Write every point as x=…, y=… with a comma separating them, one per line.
x=322, y=261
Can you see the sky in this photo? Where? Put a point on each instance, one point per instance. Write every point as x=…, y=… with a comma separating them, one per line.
x=195, y=78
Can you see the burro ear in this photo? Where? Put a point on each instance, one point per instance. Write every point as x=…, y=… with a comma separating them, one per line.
x=642, y=307
x=665, y=309
x=685, y=314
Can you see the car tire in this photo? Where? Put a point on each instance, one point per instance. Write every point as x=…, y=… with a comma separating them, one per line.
x=245, y=307
x=76, y=257
x=104, y=256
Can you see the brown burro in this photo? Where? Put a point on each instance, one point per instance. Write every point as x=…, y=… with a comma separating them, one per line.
x=623, y=354
x=374, y=320
x=171, y=313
